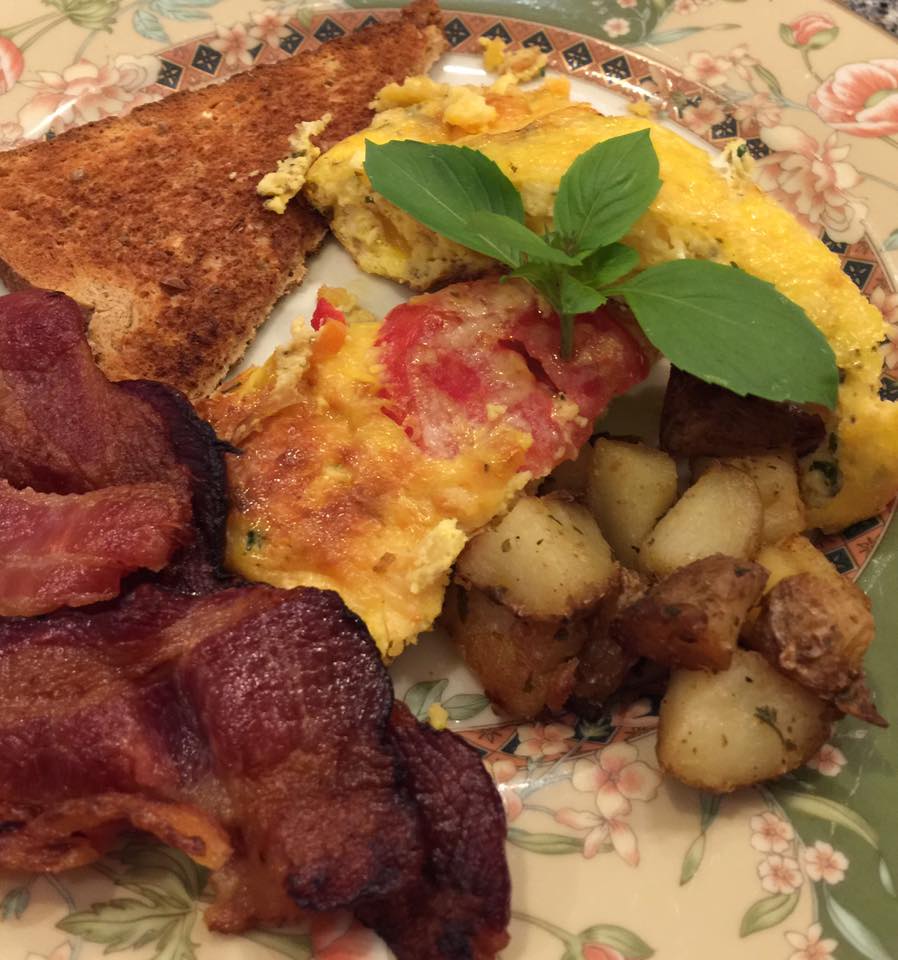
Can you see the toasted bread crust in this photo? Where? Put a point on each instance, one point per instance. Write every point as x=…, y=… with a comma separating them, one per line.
x=152, y=221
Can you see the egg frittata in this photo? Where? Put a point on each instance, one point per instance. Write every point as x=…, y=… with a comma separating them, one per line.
x=701, y=211
x=371, y=451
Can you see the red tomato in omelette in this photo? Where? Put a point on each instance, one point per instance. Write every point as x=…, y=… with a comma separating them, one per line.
x=484, y=352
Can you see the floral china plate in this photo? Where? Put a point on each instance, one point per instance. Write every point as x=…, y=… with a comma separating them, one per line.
x=610, y=861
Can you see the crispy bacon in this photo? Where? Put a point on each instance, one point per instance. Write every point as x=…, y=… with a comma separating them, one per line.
x=457, y=908
x=254, y=728
x=109, y=478
x=483, y=353
x=64, y=427
x=74, y=550
x=251, y=727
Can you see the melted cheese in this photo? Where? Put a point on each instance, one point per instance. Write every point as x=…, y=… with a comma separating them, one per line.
x=331, y=493
x=698, y=213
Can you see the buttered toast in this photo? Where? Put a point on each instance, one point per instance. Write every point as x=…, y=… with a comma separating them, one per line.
x=152, y=221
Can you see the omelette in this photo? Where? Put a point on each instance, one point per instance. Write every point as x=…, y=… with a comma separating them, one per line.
x=371, y=451
x=705, y=209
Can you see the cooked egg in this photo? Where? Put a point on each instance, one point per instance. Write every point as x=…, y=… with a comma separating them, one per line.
x=284, y=183
x=700, y=212
x=331, y=493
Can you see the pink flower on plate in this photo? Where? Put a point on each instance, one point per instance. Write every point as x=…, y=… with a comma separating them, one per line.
x=813, y=30
x=627, y=4
x=10, y=135
x=821, y=862
x=542, y=741
x=779, y=874
x=704, y=67
x=601, y=832
x=810, y=946
x=813, y=181
x=829, y=759
x=760, y=109
x=700, y=119
x=616, y=777
x=86, y=91
x=887, y=304
x=616, y=27
x=637, y=715
x=12, y=63
x=742, y=61
x=502, y=771
x=890, y=349
x=770, y=833
x=269, y=26
x=600, y=951
x=337, y=936
x=684, y=7
x=62, y=952
x=234, y=44
x=860, y=98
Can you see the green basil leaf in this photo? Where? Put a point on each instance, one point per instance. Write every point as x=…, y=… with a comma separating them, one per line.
x=607, y=264
x=577, y=297
x=441, y=186
x=546, y=277
x=516, y=236
x=730, y=328
x=605, y=191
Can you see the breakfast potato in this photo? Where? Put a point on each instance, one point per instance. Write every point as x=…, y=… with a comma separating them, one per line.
x=722, y=731
x=546, y=558
x=817, y=631
x=700, y=419
x=629, y=487
x=692, y=618
x=525, y=666
x=776, y=476
x=571, y=476
x=796, y=555
x=720, y=513
x=603, y=663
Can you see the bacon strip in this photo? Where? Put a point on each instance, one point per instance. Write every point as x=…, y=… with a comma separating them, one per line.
x=457, y=908
x=251, y=727
x=141, y=475
x=74, y=550
x=64, y=427
x=254, y=728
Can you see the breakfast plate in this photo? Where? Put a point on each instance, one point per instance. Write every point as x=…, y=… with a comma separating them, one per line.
x=609, y=860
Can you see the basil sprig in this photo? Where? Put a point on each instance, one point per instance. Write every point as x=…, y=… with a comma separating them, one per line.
x=716, y=322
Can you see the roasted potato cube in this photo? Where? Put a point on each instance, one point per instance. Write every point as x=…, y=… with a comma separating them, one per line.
x=721, y=731
x=571, y=476
x=703, y=420
x=692, y=618
x=817, y=632
x=630, y=487
x=796, y=555
x=720, y=513
x=546, y=558
x=603, y=663
x=776, y=476
x=525, y=666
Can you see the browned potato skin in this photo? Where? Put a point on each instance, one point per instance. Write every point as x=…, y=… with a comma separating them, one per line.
x=702, y=420
x=817, y=631
x=603, y=664
x=525, y=666
x=692, y=618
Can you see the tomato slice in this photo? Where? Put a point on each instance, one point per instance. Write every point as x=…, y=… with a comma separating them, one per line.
x=488, y=352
